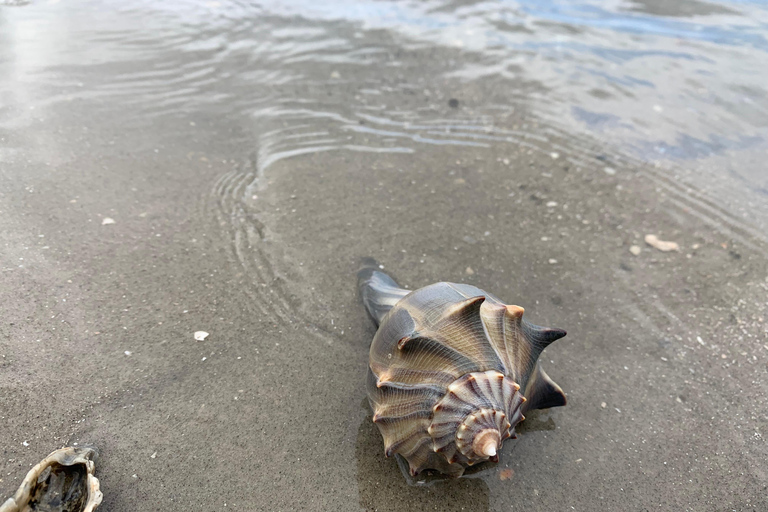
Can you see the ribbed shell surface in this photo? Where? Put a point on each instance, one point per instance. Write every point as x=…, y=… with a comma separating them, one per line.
x=431, y=340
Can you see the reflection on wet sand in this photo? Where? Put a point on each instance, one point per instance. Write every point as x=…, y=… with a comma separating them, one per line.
x=381, y=485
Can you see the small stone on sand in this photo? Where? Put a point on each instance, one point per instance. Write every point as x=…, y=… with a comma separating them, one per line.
x=506, y=474
x=635, y=249
x=469, y=271
x=661, y=245
x=107, y=220
x=603, y=405
x=200, y=335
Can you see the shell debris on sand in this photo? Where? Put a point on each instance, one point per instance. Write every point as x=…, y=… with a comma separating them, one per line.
x=107, y=220
x=635, y=249
x=662, y=245
x=64, y=480
x=200, y=335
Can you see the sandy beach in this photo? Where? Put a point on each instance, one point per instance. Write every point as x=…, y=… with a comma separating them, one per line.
x=148, y=192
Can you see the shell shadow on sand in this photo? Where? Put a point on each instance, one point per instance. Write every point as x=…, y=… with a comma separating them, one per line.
x=380, y=478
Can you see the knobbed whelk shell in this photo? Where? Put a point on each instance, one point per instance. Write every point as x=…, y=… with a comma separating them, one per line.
x=452, y=371
x=61, y=482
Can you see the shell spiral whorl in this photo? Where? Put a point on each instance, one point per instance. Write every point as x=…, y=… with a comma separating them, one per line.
x=475, y=416
x=452, y=371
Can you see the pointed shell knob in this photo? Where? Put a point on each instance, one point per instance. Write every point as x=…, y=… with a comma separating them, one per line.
x=486, y=442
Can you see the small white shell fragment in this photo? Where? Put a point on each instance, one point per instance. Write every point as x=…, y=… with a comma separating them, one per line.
x=469, y=271
x=153, y=455
x=635, y=249
x=200, y=335
x=610, y=171
x=107, y=220
x=128, y=352
x=661, y=245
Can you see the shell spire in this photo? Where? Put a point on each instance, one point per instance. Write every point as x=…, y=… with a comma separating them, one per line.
x=452, y=371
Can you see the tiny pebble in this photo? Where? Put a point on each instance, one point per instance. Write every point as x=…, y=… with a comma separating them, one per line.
x=609, y=171
x=551, y=204
x=469, y=271
x=635, y=249
x=128, y=352
x=552, y=261
x=200, y=335
x=107, y=220
x=154, y=455
x=603, y=405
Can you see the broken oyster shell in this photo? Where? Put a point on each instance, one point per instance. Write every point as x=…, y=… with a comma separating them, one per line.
x=61, y=482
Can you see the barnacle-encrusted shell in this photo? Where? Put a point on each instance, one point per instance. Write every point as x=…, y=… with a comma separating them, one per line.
x=61, y=482
x=447, y=367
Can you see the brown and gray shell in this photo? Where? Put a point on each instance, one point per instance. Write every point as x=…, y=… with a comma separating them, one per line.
x=452, y=371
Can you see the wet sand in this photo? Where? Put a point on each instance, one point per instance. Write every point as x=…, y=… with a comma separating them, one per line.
x=664, y=364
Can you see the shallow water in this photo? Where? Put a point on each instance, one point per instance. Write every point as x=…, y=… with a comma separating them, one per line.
x=252, y=153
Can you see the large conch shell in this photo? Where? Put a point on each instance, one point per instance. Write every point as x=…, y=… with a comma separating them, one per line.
x=452, y=371
x=61, y=482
